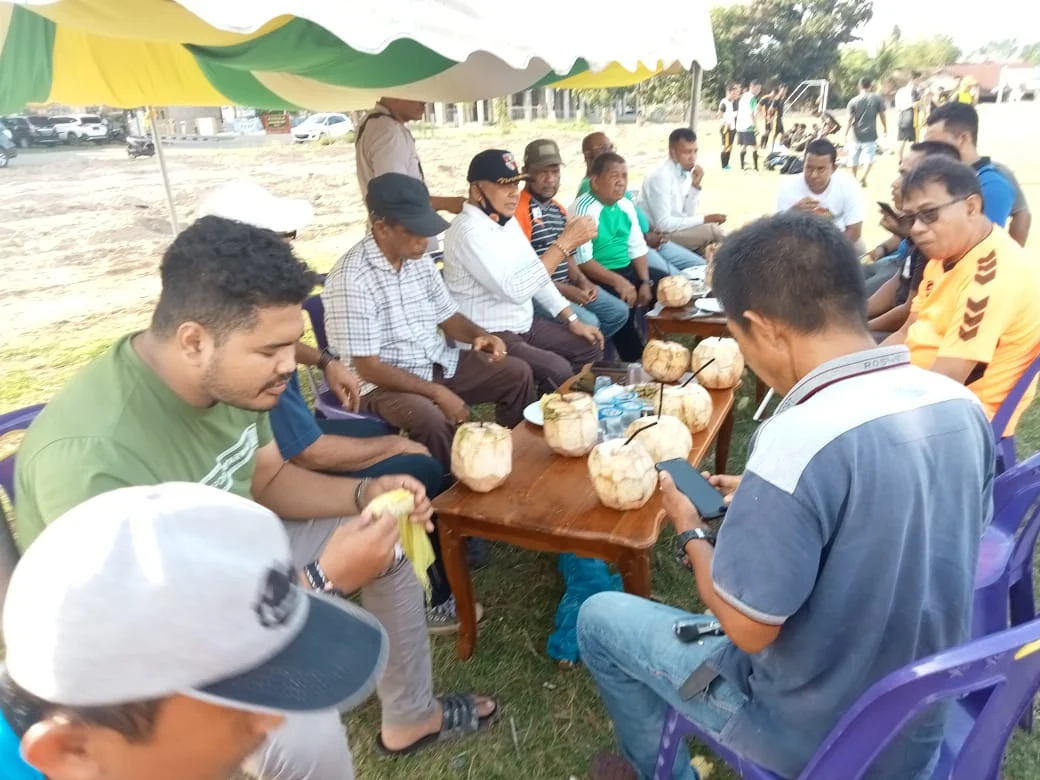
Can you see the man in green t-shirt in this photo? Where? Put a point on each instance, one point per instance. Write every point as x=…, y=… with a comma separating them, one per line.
x=617, y=257
x=186, y=400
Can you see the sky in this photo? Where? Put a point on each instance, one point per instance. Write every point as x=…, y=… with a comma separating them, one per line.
x=969, y=29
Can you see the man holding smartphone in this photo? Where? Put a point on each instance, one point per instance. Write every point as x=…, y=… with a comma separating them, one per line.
x=859, y=512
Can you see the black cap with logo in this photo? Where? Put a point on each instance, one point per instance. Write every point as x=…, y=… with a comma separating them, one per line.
x=495, y=165
x=405, y=200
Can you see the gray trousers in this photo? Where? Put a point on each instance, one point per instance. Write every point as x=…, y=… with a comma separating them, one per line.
x=314, y=746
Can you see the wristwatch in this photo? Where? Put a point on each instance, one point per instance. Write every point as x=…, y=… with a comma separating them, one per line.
x=571, y=317
x=696, y=533
x=326, y=357
x=318, y=581
x=644, y=281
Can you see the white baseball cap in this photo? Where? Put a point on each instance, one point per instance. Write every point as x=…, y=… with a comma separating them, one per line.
x=145, y=592
x=248, y=202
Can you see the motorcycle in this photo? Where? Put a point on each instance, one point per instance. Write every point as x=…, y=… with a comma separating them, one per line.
x=139, y=146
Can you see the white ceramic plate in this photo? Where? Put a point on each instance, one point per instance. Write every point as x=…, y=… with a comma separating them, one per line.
x=711, y=305
x=533, y=414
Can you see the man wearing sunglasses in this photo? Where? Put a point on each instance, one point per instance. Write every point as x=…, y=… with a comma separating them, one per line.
x=974, y=317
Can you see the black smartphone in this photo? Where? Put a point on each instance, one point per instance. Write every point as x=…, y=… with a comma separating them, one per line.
x=709, y=502
x=888, y=210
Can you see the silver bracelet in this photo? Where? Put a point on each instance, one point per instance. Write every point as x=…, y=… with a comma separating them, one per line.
x=357, y=493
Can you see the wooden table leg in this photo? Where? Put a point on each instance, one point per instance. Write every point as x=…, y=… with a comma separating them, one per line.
x=722, y=443
x=634, y=566
x=456, y=565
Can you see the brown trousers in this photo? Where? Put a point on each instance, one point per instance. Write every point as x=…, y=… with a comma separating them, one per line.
x=508, y=384
x=552, y=351
x=696, y=238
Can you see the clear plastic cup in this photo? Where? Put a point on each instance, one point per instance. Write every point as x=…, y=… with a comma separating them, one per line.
x=611, y=423
x=630, y=412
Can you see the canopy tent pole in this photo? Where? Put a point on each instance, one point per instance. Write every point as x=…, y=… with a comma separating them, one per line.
x=175, y=225
x=696, y=77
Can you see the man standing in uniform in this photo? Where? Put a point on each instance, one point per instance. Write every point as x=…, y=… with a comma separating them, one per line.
x=747, y=110
x=384, y=144
x=728, y=114
x=864, y=111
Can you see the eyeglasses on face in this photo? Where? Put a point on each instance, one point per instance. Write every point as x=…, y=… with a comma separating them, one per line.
x=928, y=216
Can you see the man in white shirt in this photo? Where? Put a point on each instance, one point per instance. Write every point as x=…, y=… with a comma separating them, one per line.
x=747, y=112
x=495, y=275
x=821, y=190
x=728, y=114
x=906, y=112
x=670, y=193
x=384, y=144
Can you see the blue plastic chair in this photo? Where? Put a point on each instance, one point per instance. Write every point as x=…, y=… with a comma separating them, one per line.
x=1006, y=455
x=1002, y=667
x=18, y=420
x=326, y=403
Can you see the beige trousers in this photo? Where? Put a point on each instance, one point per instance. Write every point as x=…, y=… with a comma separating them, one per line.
x=696, y=238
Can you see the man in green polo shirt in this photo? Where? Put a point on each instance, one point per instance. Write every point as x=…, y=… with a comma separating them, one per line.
x=186, y=401
x=617, y=257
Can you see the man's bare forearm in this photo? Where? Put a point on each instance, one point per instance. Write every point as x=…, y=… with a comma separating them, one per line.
x=347, y=453
x=891, y=320
x=387, y=377
x=306, y=354
x=601, y=275
x=296, y=493
x=642, y=266
x=461, y=329
x=884, y=299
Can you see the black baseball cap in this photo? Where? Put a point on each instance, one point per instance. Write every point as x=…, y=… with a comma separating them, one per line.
x=495, y=165
x=406, y=200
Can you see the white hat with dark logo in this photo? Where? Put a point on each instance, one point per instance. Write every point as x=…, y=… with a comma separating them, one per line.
x=146, y=592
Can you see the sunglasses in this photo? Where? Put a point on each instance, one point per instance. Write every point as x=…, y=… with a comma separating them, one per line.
x=928, y=216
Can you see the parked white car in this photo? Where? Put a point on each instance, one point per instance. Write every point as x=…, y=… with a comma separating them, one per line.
x=73, y=128
x=318, y=126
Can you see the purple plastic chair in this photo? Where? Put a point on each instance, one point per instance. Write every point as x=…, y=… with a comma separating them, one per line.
x=1004, y=668
x=1006, y=455
x=1004, y=576
x=18, y=420
x=326, y=403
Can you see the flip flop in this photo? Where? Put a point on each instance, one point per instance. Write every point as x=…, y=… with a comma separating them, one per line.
x=460, y=719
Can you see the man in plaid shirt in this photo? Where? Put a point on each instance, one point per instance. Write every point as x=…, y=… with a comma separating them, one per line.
x=496, y=276
x=387, y=308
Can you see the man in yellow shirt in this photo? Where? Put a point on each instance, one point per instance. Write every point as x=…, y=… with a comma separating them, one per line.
x=975, y=317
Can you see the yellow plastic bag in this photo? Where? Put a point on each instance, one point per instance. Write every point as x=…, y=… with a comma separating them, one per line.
x=416, y=543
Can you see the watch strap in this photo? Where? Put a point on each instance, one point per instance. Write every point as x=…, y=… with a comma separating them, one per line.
x=326, y=357
x=696, y=533
x=318, y=581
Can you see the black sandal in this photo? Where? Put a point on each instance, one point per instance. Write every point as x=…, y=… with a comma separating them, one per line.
x=459, y=719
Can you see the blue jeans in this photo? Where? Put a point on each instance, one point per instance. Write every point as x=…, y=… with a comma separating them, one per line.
x=676, y=257
x=608, y=312
x=638, y=664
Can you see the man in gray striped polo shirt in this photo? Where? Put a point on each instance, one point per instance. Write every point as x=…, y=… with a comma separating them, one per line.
x=849, y=547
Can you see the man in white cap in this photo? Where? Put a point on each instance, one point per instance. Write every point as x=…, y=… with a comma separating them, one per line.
x=124, y=663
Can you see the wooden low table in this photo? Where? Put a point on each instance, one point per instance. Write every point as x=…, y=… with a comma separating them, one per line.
x=687, y=321
x=548, y=504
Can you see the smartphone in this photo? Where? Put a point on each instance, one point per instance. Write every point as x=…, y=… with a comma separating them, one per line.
x=709, y=502
x=888, y=210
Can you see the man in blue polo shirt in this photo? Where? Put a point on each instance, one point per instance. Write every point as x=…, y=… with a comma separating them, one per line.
x=849, y=546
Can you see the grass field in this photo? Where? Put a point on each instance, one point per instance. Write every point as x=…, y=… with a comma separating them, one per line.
x=551, y=720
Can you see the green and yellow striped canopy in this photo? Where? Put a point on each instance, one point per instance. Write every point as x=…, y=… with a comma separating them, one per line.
x=324, y=55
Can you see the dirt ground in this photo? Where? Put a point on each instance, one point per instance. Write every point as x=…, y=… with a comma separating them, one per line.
x=83, y=230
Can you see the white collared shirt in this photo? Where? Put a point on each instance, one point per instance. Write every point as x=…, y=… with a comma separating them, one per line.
x=669, y=200
x=493, y=273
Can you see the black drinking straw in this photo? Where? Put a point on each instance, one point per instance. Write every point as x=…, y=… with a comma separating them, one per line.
x=660, y=400
x=644, y=428
x=694, y=374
